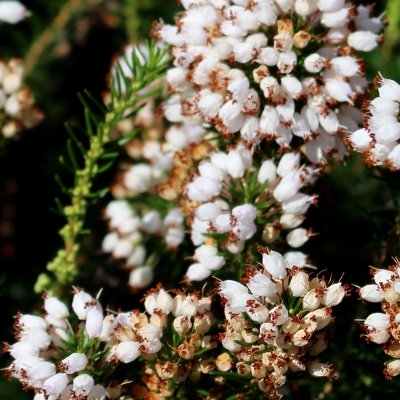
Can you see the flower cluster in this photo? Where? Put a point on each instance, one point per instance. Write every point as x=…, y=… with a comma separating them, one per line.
x=384, y=327
x=16, y=102
x=171, y=341
x=48, y=343
x=378, y=141
x=275, y=324
x=131, y=232
x=272, y=70
x=273, y=195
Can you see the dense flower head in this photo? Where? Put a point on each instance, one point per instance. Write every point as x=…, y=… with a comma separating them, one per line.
x=378, y=140
x=384, y=327
x=262, y=70
x=276, y=322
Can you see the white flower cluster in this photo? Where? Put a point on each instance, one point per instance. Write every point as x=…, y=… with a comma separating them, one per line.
x=282, y=181
x=270, y=69
x=378, y=141
x=384, y=327
x=191, y=318
x=131, y=232
x=40, y=340
x=16, y=101
x=275, y=323
x=126, y=336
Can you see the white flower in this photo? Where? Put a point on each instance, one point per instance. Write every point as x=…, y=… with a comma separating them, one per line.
x=141, y=277
x=55, y=385
x=378, y=321
x=393, y=368
x=36, y=337
x=80, y=304
x=371, y=293
x=42, y=371
x=128, y=351
x=56, y=307
x=274, y=264
x=279, y=314
x=267, y=172
x=333, y=295
x=257, y=311
x=27, y=321
x=299, y=284
x=363, y=40
x=203, y=189
x=97, y=393
x=74, y=363
x=21, y=349
x=198, y=272
x=261, y=285
x=289, y=162
x=12, y=11
x=297, y=237
x=268, y=332
x=389, y=89
x=94, y=322
x=83, y=384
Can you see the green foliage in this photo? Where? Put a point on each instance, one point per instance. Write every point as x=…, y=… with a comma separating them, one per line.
x=127, y=95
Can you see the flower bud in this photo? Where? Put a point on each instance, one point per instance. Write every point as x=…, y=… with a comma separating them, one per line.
x=83, y=384
x=128, y=351
x=56, y=307
x=74, y=363
x=182, y=325
x=55, y=385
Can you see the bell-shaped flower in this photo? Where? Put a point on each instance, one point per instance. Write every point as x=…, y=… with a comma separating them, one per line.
x=311, y=300
x=128, y=351
x=299, y=284
x=288, y=186
x=278, y=314
x=197, y=272
x=273, y=262
x=94, y=322
x=378, y=321
x=371, y=293
x=23, y=349
x=164, y=302
x=141, y=277
x=267, y=172
x=207, y=212
x=97, y=393
x=55, y=385
x=363, y=40
x=12, y=11
x=257, y=311
x=36, y=337
x=288, y=163
x=261, y=285
x=82, y=385
x=297, y=237
x=56, y=307
x=210, y=104
x=81, y=304
x=75, y=362
x=42, y=371
x=203, y=189
x=333, y=295
x=268, y=332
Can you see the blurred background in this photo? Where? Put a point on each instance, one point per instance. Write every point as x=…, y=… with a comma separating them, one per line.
x=69, y=46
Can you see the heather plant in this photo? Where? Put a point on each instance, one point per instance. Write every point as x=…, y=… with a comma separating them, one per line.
x=215, y=214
